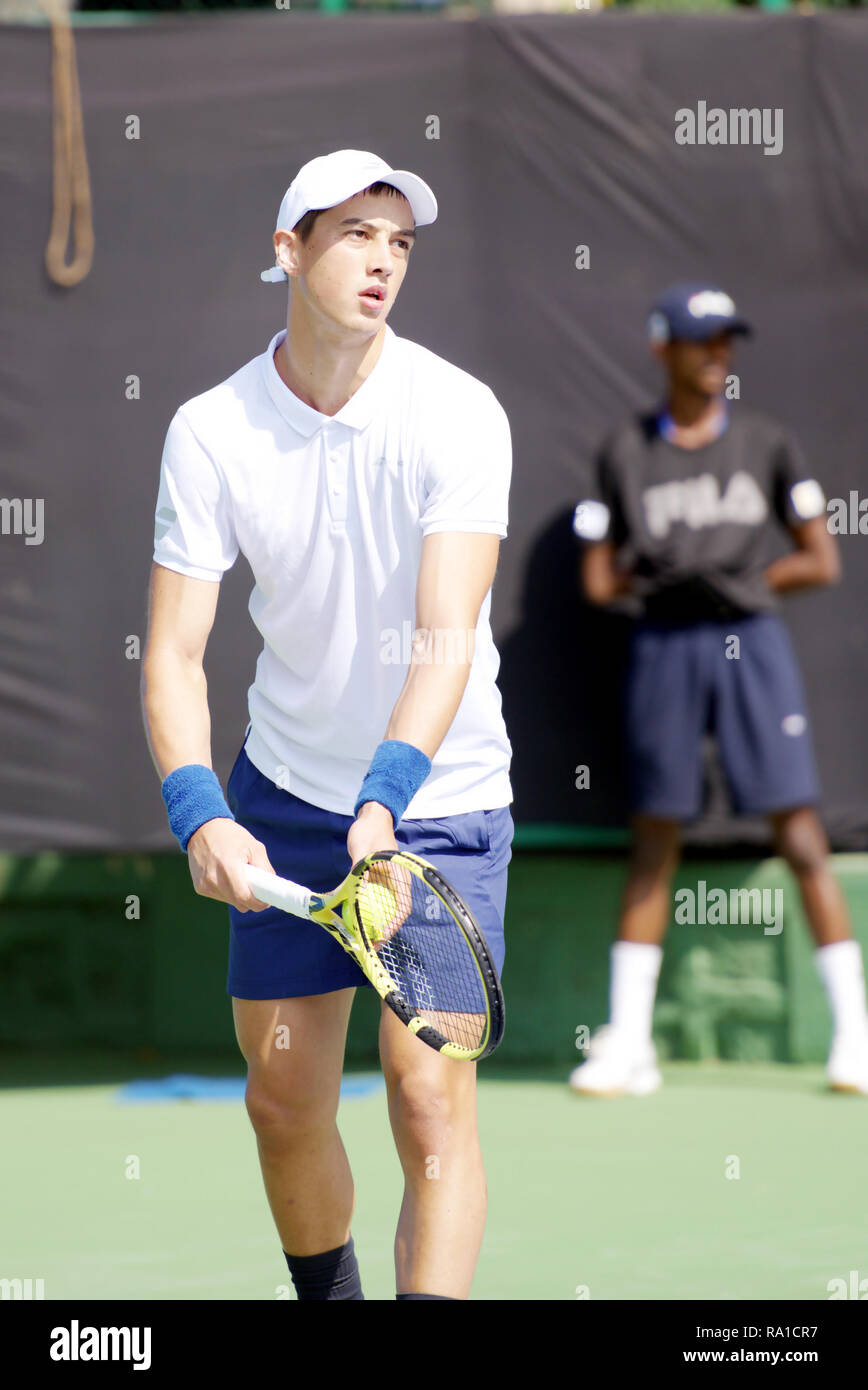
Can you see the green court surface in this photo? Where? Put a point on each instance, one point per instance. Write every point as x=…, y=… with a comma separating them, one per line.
x=605, y=1199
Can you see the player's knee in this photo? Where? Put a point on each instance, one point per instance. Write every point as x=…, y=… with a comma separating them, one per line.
x=802, y=843
x=285, y=1117
x=804, y=854
x=424, y=1106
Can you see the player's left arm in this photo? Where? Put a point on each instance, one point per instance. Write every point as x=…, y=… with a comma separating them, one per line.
x=800, y=505
x=456, y=571
x=813, y=563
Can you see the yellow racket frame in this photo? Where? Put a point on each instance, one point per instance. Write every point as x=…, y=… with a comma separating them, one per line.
x=337, y=913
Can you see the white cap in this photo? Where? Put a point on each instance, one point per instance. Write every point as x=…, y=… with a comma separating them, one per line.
x=332, y=178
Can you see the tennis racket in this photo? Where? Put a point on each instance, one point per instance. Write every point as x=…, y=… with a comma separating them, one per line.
x=415, y=940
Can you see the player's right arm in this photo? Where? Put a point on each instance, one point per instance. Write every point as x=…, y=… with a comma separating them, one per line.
x=178, y=725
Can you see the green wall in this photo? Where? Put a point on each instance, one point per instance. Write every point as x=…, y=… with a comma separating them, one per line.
x=77, y=967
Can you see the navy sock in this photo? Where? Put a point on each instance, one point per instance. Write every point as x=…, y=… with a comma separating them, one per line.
x=443, y=1297
x=333, y=1274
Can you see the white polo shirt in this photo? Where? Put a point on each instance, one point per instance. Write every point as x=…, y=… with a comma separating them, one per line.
x=330, y=512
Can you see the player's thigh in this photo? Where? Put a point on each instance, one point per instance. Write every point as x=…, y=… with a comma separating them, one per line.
x=665, y=714
x=762, y=723
x=294, y=1049
x=424, y=1088
x=472, y=850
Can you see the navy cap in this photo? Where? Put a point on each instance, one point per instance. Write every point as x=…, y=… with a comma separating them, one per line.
x=694, y=312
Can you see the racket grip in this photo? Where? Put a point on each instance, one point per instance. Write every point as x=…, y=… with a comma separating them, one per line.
x=279, y=892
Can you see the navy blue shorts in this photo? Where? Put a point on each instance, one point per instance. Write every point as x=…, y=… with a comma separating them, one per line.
x=681, y=685
x=274, y=956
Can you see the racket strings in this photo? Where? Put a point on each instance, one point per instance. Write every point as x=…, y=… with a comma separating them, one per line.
x=421, y=945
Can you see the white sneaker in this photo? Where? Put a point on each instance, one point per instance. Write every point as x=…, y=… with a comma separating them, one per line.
x=847, y=1067
x=617, y=1065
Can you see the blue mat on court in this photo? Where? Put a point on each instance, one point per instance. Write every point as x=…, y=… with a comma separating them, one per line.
x=218, y=1088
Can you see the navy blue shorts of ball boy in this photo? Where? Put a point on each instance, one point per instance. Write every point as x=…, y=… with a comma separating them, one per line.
x=736, y=679
x=274, y=956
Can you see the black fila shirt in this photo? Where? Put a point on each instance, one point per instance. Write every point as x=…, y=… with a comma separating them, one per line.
x=693, y=524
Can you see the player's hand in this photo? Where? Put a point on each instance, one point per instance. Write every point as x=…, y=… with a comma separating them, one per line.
x=372, y=830
x=390, y=884
x=217, y=854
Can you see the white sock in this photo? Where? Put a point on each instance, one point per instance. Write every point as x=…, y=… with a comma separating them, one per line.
x=635, y=967
x=841, y=970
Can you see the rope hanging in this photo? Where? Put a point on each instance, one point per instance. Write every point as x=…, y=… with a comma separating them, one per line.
x=71, y=181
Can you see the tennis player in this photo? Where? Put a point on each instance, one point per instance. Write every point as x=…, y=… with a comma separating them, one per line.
x=366, y=481
x=685, y=501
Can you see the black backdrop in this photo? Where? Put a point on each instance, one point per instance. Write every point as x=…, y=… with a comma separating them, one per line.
x=554, y=132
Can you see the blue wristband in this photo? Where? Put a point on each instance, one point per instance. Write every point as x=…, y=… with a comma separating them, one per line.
x=396, y=773
x=193, y=795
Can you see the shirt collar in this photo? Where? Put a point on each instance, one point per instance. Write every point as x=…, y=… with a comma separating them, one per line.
x=356, y=413
x=668, y=430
